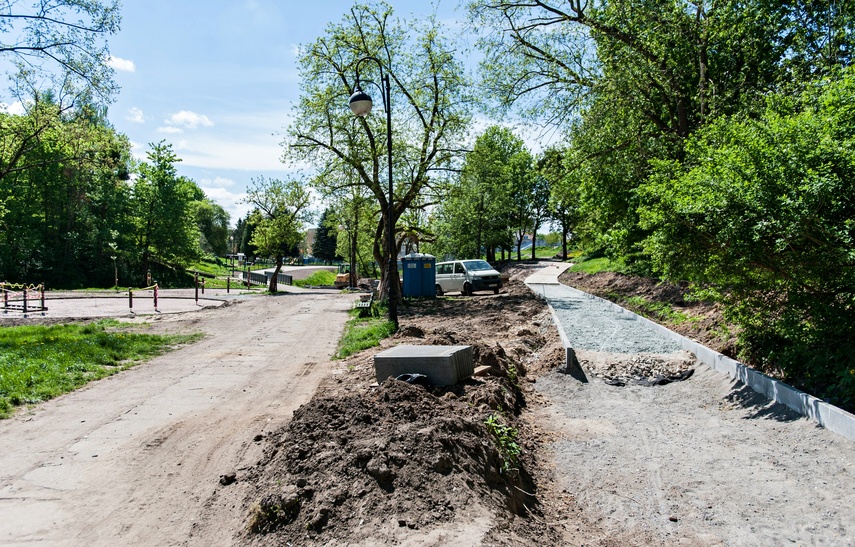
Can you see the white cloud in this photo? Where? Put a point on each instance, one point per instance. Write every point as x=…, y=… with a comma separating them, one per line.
x=224, y=153
x=232, y=202
x=219, y=182
x=189, y=119
x=135, y=115
x=170, y=130
x=16, y=108
x=124, y=65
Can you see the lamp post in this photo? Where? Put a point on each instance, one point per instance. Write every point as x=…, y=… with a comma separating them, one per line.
x=360, y=104
x=115, y=273
x=232, y=252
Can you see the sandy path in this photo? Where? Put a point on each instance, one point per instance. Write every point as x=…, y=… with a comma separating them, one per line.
x=136, y=459
x=700, y=462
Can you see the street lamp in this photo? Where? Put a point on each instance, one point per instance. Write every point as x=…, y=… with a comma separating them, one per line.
x=232, y=254
x=360, y=104
x=115, y=273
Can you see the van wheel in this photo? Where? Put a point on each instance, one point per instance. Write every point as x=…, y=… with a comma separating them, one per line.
x=467, y=289
x=496, y=291
x=438, y=290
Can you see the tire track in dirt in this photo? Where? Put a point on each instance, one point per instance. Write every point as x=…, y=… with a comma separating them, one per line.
x=136, y=458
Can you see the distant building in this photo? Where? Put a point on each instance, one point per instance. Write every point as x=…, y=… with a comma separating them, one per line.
x=309, y=242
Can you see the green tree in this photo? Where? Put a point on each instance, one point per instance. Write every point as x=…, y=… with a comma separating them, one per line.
x=428, y=101
x=539, y=207
x=489, y=202
x=761, y=212
x=630, y=81
x=213, y=224
x=675, y=63
x=324, y=247
x=281, y=208
x=246, y=247
x=65, y=194
x=57, y=50
x=165, y=232
x=60, y=45
x=563, y=192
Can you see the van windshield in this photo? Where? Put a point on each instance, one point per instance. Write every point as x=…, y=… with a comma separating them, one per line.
x=475, y=265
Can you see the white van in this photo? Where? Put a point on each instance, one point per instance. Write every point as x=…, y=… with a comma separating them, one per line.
x=466, y=276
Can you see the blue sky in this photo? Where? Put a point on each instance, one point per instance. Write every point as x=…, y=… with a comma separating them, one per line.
x=217, y=78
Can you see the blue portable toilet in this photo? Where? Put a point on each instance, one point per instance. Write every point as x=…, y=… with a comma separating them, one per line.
x=419, y=275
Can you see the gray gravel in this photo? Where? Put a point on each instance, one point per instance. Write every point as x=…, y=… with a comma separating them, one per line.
x=591, y=324
x=704, y=461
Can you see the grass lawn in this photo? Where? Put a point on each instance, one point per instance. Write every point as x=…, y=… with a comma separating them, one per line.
x=40, y=362
x=318, y=278
x=210, y=267
x=594, y=265
x=364, y=332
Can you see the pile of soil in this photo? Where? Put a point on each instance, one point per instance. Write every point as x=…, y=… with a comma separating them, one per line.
x=705, y=323
x=389, y=463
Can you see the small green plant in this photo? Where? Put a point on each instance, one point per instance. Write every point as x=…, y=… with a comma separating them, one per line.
x=658, y=310
x=505, y=438
x=513, y=376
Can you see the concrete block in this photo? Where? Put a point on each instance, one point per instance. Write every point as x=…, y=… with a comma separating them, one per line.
x=443, y=365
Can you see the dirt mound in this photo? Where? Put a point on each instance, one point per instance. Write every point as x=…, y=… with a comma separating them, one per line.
x=390, y=463
x=397, y=454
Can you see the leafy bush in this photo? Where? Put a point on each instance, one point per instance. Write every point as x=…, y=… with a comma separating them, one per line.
x=764, y=211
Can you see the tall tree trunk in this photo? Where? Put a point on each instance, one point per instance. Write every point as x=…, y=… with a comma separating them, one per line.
x=564, y=243
x=353, y=241
x=274, y=280
x=534, y=242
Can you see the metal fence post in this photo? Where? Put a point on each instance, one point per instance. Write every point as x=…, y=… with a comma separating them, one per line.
x=131, y=300
x=155, y=297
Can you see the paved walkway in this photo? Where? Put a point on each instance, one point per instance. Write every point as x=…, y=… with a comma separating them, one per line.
x=701, y=462
x=592, y=324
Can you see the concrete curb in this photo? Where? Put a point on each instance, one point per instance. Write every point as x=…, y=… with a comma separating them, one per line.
x=828, y=416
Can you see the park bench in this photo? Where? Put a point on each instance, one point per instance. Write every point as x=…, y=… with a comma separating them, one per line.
x=364, y=304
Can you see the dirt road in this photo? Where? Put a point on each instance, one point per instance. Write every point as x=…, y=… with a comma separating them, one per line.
x=136, y=459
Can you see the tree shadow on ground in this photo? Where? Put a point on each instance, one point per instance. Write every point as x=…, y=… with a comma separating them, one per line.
x=758, y=406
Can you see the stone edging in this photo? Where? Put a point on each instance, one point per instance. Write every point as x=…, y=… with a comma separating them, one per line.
x=829, y=416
